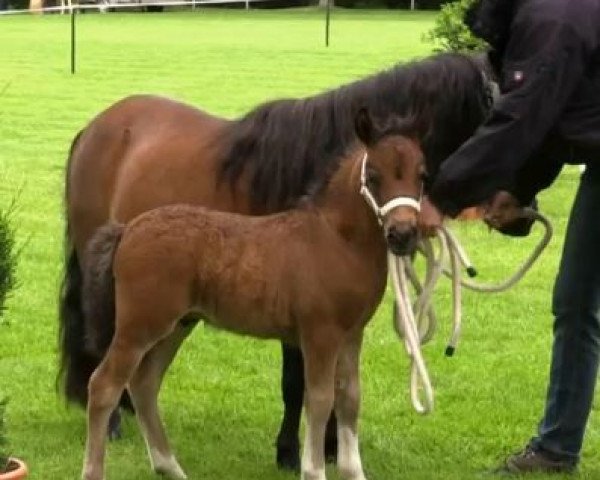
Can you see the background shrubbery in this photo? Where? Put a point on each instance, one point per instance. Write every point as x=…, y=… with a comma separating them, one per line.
x=450, y=33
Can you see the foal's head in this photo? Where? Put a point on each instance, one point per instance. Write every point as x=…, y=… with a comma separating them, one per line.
x=392, y=177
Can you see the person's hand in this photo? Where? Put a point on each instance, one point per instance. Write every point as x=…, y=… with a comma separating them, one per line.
x=505, y=214
x=430, y=219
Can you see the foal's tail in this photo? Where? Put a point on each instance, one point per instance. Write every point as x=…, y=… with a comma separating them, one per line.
x=98, y=296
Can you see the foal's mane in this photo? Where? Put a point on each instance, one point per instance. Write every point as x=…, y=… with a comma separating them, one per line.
x=289, y=145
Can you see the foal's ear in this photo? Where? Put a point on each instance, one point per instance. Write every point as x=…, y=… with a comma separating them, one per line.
x=364, y=126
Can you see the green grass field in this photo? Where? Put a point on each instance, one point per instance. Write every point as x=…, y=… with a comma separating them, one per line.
x=221, y=399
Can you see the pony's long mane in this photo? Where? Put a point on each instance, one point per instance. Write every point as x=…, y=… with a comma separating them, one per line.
x=289, y=145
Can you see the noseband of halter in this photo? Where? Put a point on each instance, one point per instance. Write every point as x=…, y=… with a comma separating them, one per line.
x=381, y=212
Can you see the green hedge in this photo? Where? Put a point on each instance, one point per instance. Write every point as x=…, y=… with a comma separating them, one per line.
x=8, y=255
x=450, y=33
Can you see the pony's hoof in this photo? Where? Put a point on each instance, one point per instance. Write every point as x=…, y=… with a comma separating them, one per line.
x=288, y=458
x=331, y=449
x=114, y=426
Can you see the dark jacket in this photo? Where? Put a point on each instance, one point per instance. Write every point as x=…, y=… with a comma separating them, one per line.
x=548, y=112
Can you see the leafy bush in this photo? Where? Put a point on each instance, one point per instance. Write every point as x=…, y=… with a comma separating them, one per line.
x=3, y=441
x=450, y=33
x=8, y=255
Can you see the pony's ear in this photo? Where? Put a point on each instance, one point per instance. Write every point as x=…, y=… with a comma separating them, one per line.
x=364, y=126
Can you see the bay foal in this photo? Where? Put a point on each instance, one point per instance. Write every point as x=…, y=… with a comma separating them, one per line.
x=312, y=276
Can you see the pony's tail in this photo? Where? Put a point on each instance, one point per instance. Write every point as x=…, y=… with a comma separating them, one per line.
x=76, y=365
x=99, y=289
x=77, y=362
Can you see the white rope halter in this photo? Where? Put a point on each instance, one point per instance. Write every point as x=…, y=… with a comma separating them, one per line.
x=381, y=212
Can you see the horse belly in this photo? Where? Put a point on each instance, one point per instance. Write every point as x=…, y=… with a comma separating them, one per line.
x=237, y=286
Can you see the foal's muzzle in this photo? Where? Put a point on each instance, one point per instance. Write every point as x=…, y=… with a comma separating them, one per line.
x=402, y=239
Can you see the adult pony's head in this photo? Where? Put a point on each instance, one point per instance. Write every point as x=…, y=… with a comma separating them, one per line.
x=393, y=173
x=286, y=145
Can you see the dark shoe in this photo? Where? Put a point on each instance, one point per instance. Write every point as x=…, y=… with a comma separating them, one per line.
x=532, y=460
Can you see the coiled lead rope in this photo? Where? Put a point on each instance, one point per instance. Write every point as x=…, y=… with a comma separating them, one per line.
x=416, y=324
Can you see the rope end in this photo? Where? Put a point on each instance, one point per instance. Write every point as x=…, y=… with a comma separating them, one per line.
x=471, y=272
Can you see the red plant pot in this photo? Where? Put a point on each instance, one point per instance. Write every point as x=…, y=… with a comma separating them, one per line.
x=16, y=470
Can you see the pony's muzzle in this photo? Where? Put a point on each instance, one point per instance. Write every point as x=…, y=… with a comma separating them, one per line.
x=402, y=238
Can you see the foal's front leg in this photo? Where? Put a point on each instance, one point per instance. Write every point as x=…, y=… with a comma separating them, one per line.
x=347, y=405
x=320, y=351
x=292, y=391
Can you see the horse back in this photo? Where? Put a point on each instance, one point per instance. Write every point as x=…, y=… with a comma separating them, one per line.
x=140, y=153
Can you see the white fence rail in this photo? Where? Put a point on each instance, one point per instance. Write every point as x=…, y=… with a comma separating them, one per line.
x=127, y=5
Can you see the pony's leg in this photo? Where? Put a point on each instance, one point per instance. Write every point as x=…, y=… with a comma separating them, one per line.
x=292, y=390
x=144, y=388
x=320, y=349
x=105, y=388
x=347, y=405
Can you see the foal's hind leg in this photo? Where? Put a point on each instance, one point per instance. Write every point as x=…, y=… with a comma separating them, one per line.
x=185, y=327
x=105, y=388
x=144, y=388
x=140, y=325
x=347, y=405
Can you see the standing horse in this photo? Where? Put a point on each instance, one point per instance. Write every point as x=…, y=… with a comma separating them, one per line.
x=145, y=152
x=312, y=276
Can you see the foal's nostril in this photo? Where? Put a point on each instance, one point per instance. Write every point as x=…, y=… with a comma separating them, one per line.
x=402, y=240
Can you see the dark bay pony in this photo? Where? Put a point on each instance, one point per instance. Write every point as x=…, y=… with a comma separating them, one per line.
x=311, y=276
x=144, y=152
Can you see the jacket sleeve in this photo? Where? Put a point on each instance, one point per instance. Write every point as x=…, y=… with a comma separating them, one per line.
x=543, y=63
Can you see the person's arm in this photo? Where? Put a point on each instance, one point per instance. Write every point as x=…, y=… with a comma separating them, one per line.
x=544, y=62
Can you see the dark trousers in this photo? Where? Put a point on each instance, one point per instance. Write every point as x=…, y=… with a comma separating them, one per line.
x=576, y=308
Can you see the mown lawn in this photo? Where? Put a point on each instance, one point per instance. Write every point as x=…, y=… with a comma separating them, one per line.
x=221, y=400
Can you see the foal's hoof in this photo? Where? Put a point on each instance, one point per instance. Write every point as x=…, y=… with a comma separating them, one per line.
x=114, y=426
x=288, y=457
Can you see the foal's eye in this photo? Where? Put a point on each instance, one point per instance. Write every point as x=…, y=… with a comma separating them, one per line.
x=398, y=173
x=373, y=179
